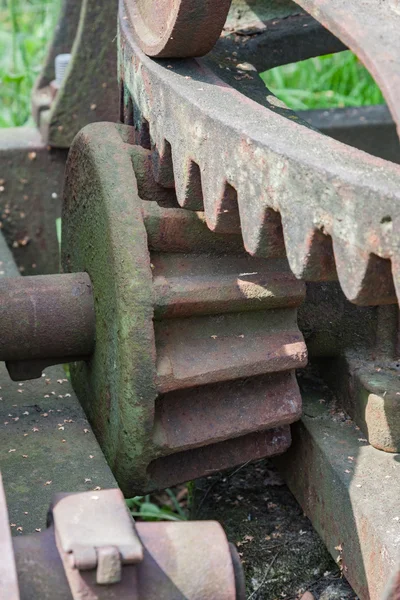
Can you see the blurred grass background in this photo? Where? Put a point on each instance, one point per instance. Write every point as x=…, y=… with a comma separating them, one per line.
x=26, y=27
x=330, y=81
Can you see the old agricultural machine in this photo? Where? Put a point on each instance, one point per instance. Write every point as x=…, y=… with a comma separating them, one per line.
x=214, y=242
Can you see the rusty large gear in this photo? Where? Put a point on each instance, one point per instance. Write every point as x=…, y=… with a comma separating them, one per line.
x=332, y=209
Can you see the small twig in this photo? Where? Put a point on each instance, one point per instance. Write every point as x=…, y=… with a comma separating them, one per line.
x=214, y=483
x=265, y=575
x=312, y=584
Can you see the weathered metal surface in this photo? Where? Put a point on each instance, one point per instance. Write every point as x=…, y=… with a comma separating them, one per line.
x=46, y=445
x=206, y=460
x=44, y=320
x=348, y=489
x=95, y=533
x=369, y=128
x=200, y=351
x=368, y=387
x=301, y=188
x=265, y=32
x=176, y=28
x=331, y=324
x=268, y=35
x=173, y=561
x=187, y=560
x=117, y=387
x=219, y=316
x=8, y=572
x=89, y=92
x=86, y=522
x=192, y=418
x=201, y=284
x=392, y=591
x=31, y=177
x=41, y=575
x=370, y=29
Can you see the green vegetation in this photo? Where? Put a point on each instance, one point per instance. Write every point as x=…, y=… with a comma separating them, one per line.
x=171, y=505
x=25, y=29
x=334, y=80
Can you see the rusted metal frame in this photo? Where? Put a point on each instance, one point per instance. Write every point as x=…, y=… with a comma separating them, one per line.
x=357, y=355
x=89, y=92
x=162, y=367
x=369, y=128
x=340, y=481
x=276, y=42
x=30, y=198
x=316, y=188
x=370, y=29
x=367, y=385
x=61, y=43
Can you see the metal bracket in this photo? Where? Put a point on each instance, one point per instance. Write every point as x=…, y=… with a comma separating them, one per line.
x=95, y=531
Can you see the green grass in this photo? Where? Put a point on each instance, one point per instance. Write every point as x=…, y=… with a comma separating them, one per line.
x=25, y=29
x=334, y=80
x=170, y=505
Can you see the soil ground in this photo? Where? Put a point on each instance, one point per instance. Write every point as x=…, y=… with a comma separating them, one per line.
x=282, y=554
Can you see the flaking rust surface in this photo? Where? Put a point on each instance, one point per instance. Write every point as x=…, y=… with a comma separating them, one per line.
x=46, y=447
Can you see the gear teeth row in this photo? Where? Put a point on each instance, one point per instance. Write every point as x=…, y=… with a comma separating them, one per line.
x=286, y=189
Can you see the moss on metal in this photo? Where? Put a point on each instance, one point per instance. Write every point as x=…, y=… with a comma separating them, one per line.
x=104, y=234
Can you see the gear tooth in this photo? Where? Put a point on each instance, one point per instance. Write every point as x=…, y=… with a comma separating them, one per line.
x=213, y=458
x=365, y=278
x=261, y=229
x=220, y=204
x=309, y=252
x=142, y=134
x=163, y=170
x=187, y=181
x=218, y=420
